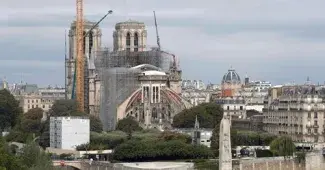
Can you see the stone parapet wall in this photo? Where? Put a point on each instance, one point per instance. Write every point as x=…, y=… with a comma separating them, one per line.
x=315, y=161
x=154, y=165
x=276, y=163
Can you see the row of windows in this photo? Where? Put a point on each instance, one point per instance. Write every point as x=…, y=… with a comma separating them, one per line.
x=36, y=106
x=36, y=101
x=240, y=108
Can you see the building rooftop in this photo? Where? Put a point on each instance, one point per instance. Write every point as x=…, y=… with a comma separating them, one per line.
x=128, y=23
x=153, y=73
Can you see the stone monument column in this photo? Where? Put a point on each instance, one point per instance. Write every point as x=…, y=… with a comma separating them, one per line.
x=225, y=156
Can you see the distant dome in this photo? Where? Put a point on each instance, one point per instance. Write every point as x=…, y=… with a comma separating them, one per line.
x=231, y=77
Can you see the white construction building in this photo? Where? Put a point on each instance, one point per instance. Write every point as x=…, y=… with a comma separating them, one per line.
x=69, y=132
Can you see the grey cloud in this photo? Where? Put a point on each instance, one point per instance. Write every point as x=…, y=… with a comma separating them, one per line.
x=278, y=40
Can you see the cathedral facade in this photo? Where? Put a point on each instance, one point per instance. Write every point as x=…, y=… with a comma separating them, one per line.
x=144, y=84
x=128, y=80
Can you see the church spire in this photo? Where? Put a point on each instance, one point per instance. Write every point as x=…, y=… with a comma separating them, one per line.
x=197, y=124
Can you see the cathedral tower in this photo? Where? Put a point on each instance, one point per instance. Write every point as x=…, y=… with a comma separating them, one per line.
x=130, y=36
x=92, y=43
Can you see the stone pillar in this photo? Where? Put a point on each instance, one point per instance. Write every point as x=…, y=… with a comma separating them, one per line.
x=267, y=165
x=132, y=41
x=225, y=156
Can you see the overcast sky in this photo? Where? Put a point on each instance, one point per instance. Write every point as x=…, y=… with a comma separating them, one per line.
x=276, y=40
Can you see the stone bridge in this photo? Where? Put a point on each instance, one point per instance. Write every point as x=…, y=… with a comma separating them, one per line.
x=82, y=164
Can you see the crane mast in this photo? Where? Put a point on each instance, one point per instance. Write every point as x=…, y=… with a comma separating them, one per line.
x=158, y=39
x=80, y=63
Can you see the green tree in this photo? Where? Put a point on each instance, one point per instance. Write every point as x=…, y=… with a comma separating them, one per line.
x=155, y=150
x=95, y=124
x=44, y=139
x=34, y=114
x=32, y=121
x=34, y=157
x=215, y=140
x=128, y=125
x=10, y=112
x=209, y=115
x=64, y=108
x=8, y=161
x=283, y=146
x=167, y=136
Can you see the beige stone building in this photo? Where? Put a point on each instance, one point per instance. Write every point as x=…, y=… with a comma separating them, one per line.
x=41, y=98
x=297, y=111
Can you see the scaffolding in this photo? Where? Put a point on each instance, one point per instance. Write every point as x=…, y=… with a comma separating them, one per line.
x=119, y=80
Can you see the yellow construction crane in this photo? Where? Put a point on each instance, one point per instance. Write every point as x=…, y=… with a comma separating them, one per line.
x=80, y=60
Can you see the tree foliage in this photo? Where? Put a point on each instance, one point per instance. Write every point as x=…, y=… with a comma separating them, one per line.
x=168, y=136
x=101, y=141
x=209, y=115
x=128, y=125
x=32, y=121
x=95, y=124
x=34, y=114
x=10, y=112
x=140, y=150
x=64, y=108
x=283, y=146
x=35, y=158
x=8, y=161
x=242, y=138
x=31, y=157
x=30, y=124
x=250, y=138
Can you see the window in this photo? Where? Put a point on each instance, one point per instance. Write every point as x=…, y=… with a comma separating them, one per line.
x=315, y=115
x=227, y=107
x=241, y=107
x=136, y=41
x=43, y=106
x=309, y=115
x=128, y=41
